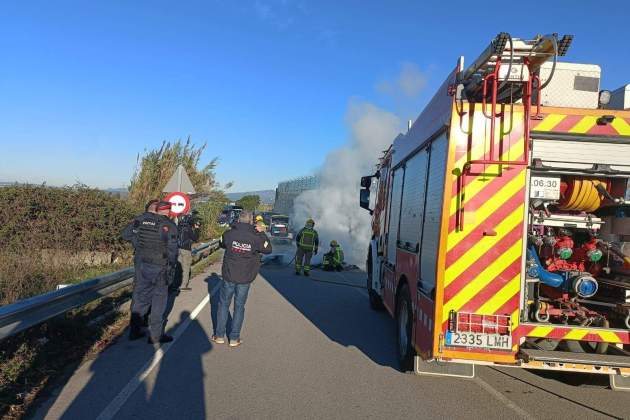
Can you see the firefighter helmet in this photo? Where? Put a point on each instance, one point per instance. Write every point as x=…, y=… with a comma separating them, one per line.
x=333, y=243
x=310, y=222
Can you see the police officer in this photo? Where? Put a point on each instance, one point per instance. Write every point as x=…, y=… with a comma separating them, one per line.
x=307, y=245
x=243, y=244
x=154, y=237
x=188, y=230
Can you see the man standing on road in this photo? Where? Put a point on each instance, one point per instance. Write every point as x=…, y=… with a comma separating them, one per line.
x=307, y=245
x=241, y=262
x=130, y=234
x=154, y=237
x=188, y=230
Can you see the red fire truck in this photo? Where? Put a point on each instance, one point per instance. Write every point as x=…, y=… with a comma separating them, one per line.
x=501, y=219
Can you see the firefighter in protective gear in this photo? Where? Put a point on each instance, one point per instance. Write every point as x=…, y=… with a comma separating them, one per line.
x=333, y=259
x=307, y=242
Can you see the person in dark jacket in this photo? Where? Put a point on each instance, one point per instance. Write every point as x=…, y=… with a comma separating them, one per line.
x=154, y=237
x=188, y=229
x=241, y=262
x=130, y=234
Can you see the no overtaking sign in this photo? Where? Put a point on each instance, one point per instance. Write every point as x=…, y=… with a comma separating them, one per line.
x=180, y=203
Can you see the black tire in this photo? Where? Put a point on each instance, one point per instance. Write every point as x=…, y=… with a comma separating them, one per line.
x=547, y=344
x=586, y=347
x=404, y=322
x=376, y=302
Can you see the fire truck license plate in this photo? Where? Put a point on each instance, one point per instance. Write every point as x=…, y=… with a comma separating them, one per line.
x=480, y=340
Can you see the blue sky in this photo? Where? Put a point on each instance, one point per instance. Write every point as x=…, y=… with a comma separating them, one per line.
x=86, y=86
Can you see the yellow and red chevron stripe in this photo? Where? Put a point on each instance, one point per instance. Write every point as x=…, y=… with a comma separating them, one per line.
x=579, y=122
x=573, y=333
x=483, y=259
x=482, y=272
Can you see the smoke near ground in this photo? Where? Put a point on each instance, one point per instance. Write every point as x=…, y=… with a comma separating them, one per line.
x=335, y=204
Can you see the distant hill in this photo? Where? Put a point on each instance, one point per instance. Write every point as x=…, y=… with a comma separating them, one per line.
x=266, y=196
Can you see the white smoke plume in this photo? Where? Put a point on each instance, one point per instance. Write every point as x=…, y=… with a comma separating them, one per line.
x=410, y=82
x=335, y=204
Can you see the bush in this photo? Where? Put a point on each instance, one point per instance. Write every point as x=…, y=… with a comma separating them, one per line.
x=74, y=218
x=46, y=234
x=209, y=212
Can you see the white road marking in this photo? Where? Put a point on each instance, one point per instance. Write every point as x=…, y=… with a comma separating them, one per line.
x=117, y=403
x=502, y=398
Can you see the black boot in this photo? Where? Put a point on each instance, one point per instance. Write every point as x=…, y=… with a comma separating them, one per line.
x=135, y=327
x=163, y=339
x=135, y=334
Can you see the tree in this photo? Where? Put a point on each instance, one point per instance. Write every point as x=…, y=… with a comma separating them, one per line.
x=249, y=202
x=155, y=168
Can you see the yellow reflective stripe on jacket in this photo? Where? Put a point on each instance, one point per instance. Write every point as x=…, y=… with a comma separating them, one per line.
x=310, y=242
x=338, y=255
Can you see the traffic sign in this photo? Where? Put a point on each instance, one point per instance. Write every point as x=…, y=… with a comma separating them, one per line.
x=179, y=182
x=180, y=203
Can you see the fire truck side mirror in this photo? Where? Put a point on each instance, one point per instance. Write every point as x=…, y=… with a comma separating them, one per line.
x=364, y=199
x=366, y=181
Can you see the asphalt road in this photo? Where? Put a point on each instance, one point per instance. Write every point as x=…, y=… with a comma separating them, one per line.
x=312, y=349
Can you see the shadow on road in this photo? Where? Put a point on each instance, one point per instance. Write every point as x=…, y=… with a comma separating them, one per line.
x=186, y=395
x=574, y=378
x=116, y=367
x=568, y=378
x=341, y=312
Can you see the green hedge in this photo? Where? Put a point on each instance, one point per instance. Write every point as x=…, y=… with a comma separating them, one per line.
x=71, y=218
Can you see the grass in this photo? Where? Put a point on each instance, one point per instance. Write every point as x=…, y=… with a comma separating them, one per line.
x=206, y=262
x=32, y=360
x=22, y=276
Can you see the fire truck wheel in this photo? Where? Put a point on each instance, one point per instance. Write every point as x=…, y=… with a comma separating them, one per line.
x=404, y=322
x=547, y=344
x=586, y=347
x=376, y=302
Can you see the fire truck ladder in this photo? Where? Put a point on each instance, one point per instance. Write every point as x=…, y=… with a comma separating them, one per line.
x=507, y=71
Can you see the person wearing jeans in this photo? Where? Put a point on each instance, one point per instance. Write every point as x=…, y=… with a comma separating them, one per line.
x=243, y=245
x=228, y=290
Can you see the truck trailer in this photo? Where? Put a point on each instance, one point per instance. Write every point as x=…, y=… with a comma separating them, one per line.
x=501, y=219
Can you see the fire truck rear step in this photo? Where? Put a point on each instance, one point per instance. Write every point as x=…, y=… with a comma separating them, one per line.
x=435, y=368
x=620, y=383
x=608, y=360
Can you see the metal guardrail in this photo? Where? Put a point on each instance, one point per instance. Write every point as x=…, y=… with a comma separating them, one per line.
x=26, y=313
